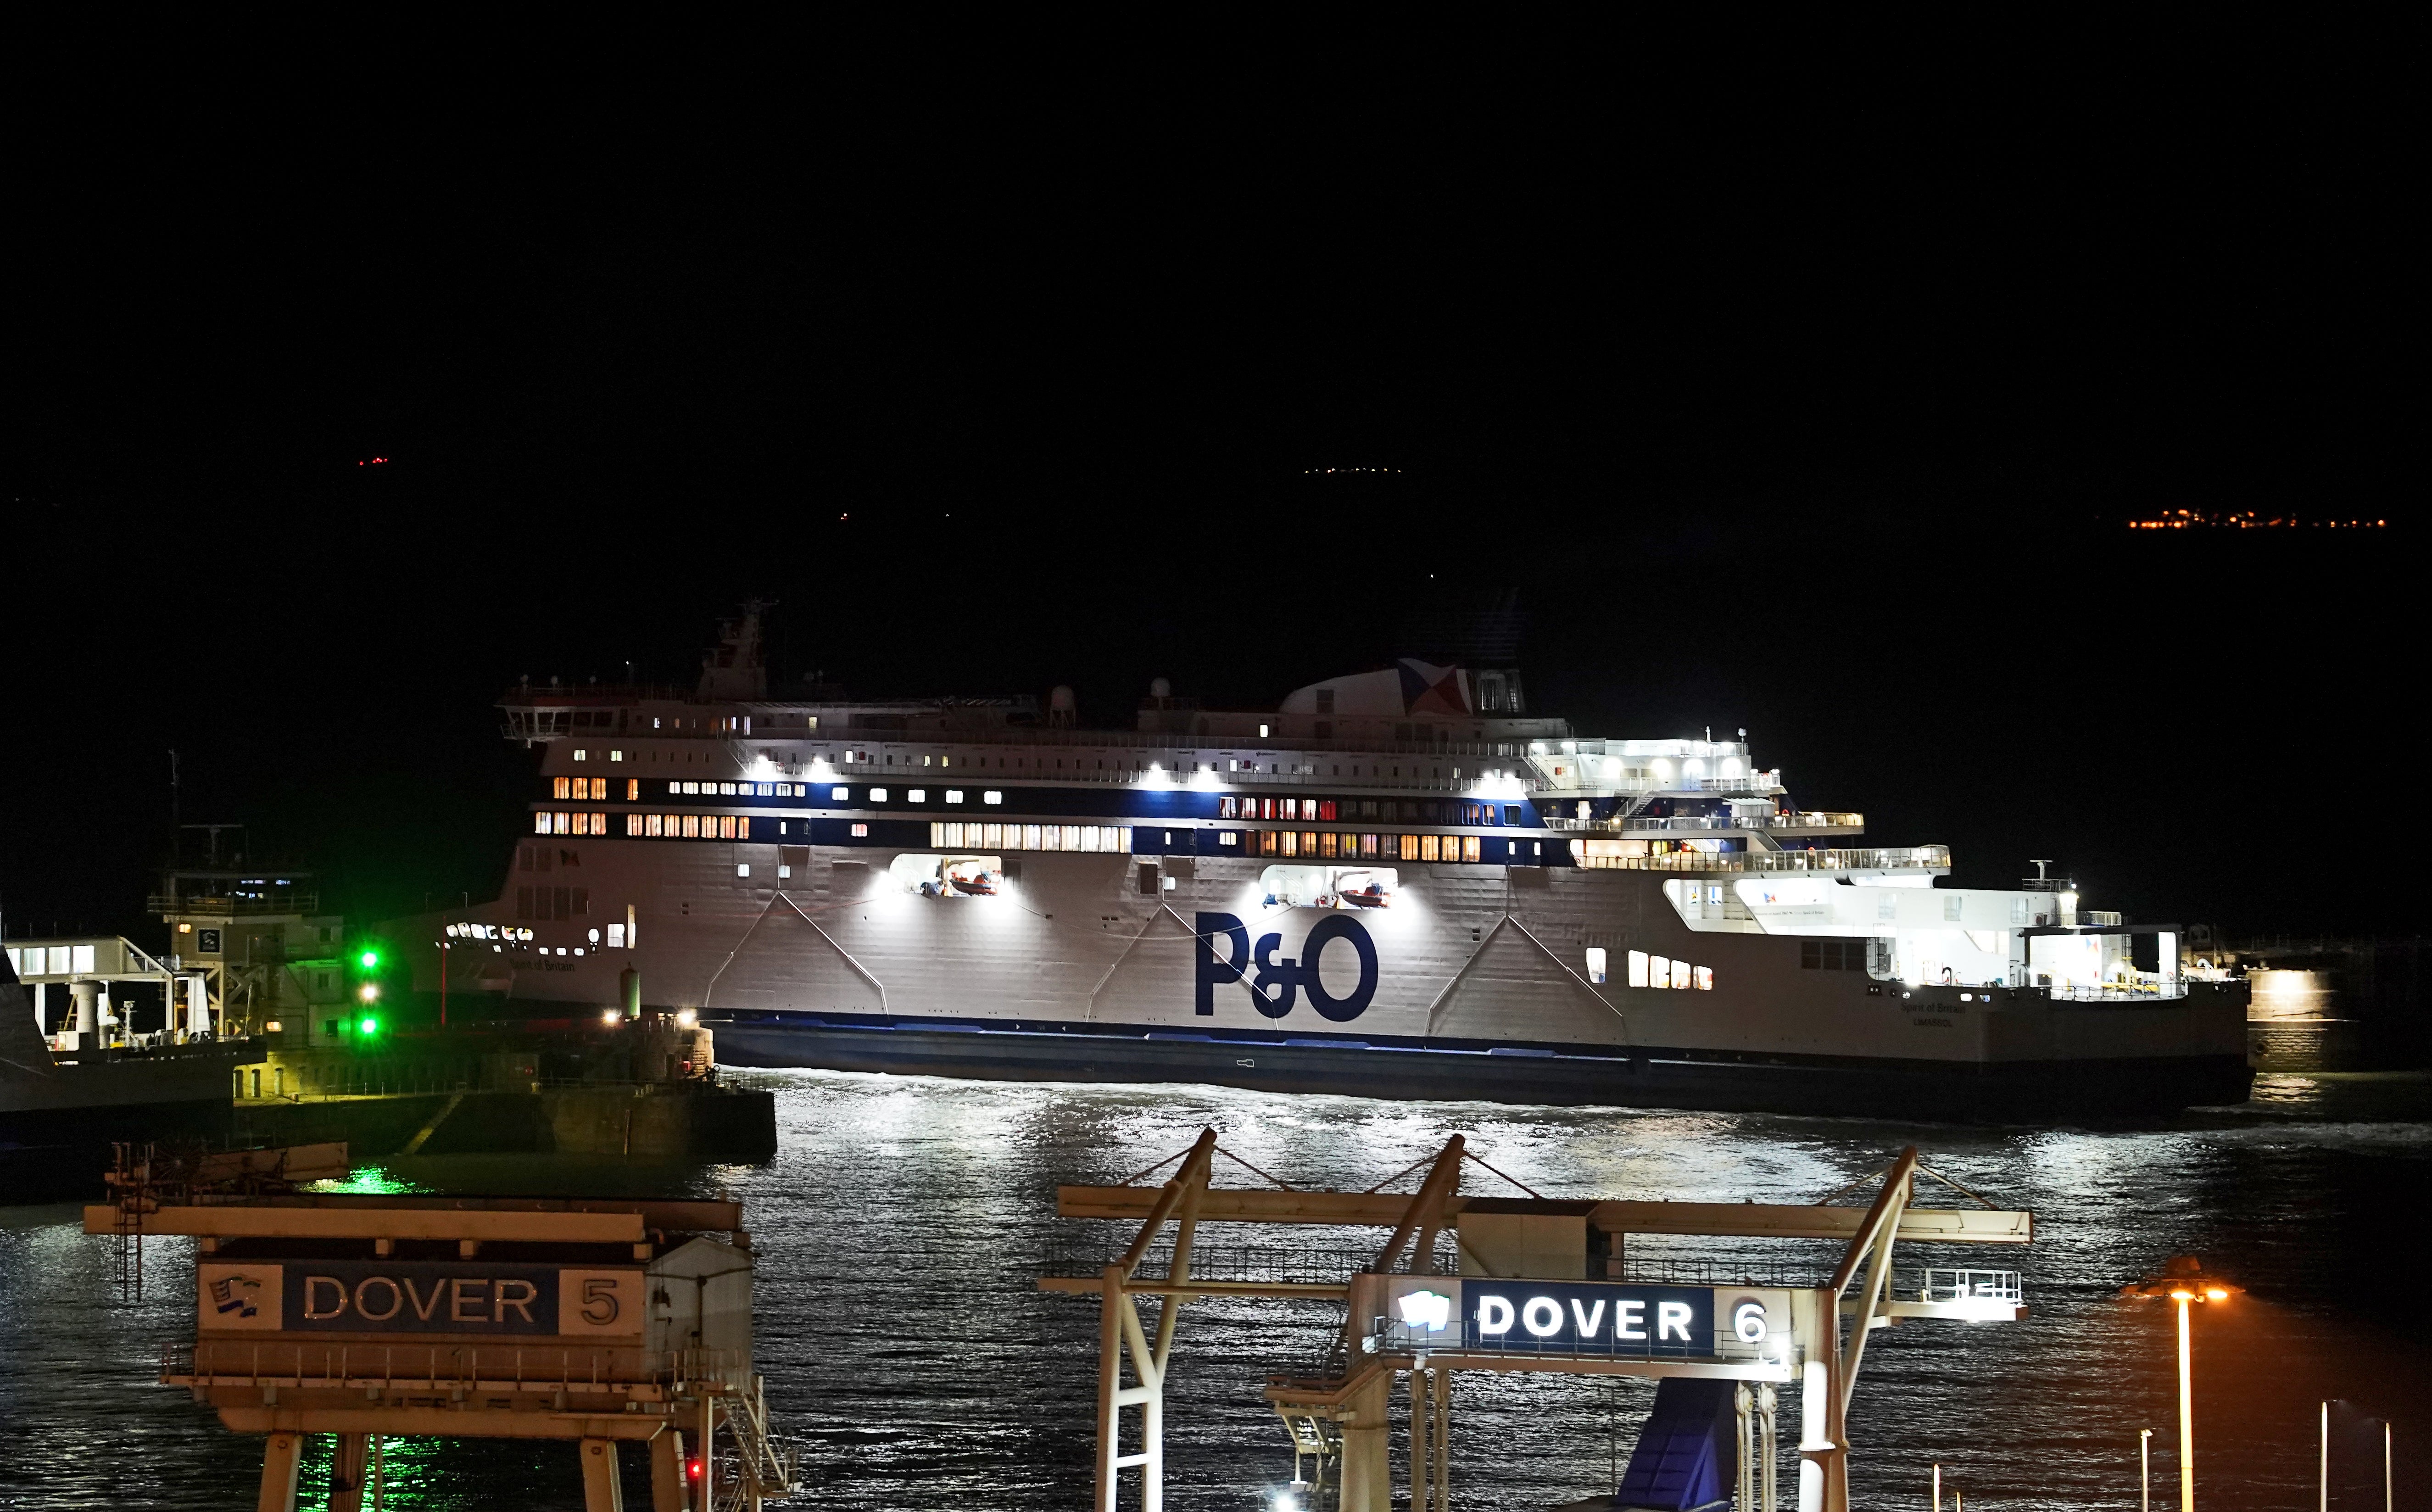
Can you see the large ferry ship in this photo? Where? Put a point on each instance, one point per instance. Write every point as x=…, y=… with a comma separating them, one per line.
x=1398, y=883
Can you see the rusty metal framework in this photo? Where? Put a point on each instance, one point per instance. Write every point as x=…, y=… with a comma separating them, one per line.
x=676, y=1380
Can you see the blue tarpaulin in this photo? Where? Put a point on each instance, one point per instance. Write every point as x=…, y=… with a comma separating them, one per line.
x=1687, y=1454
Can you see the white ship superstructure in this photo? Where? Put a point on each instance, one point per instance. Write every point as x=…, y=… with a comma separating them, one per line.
x=1396, y=882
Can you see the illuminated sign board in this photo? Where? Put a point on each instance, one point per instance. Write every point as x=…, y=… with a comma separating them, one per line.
x=416, y=1297
x=1615, y=1319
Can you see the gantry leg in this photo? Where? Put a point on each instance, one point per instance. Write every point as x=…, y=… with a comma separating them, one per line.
x=603, y=1490
x=1814, y=1387
x=1423, y=1459
x=346, y=1477
x=1768, y=1445
x=1442, y=1439
x=667, y=1471
x=1367, y=1467
x=1744, y=1431
x=281, y=1456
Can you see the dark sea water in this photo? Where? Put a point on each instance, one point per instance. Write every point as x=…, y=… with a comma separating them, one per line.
x=907, y=1349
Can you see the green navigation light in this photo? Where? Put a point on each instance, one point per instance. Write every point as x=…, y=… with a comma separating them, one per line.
x=371, y=959
x=370, y=1025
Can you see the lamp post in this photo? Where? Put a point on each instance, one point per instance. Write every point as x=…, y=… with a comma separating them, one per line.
x=2186, y=1297
x=2182, y=1280
x=2187, y=1405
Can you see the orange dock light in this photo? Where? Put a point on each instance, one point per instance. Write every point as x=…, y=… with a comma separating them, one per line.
x=2179, y=1283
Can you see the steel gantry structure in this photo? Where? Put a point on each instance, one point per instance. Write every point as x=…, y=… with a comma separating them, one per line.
x=1526, y=1257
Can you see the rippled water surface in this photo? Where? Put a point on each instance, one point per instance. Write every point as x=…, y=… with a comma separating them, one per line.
x=905, y=1346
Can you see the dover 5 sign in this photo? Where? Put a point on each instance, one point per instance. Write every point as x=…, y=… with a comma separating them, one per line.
x=416, y=1297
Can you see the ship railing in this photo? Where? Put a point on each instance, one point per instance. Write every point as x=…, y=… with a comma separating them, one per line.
x=289, y=902
x=1692, y=823
x=1465, y=785
x=1302, y=775
x=1904, y=858
x=2114, y=991
x=1183, y=745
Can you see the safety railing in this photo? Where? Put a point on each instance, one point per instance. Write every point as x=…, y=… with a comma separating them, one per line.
x=280, y=902
x=1660, y=1271
x=1693, y=822
x=375, y=1084
x=2116, y=992
x=1265, y=1264
x=437, y=1367
x=1315, y=1265
x=1907, y=858
x=408, y=1367
x=1941, y=1285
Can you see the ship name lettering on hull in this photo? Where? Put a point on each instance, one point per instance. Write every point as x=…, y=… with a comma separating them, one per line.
x=1277, y=983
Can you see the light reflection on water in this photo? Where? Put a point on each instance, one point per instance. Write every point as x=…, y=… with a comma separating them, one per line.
x=900, y=1226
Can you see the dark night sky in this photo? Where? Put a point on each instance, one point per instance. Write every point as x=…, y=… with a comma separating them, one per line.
x=1799, y=398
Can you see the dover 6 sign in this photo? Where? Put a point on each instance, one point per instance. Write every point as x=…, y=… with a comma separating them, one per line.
x=1554, y=1318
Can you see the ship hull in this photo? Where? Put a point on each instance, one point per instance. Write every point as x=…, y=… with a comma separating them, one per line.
x=1651, y=1078
x=57, y=1123
x=1509, y=984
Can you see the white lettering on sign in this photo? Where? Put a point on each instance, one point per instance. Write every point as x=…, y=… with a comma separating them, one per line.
x=1672, y=1322
x=1593, y=1318
x=1749, y=1322
x=1494, y=1316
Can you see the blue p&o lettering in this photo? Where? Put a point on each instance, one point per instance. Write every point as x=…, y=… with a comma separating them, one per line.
x=1350, y=1006
x=1213, y=972
x=1275, y=988
x=1279, y=984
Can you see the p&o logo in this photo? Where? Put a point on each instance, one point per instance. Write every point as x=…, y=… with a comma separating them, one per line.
x=1279, y=982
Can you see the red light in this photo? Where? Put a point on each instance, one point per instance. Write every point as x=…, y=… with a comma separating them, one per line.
x=693, y=1469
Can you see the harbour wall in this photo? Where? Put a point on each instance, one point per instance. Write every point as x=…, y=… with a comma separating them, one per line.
x=639, y=1122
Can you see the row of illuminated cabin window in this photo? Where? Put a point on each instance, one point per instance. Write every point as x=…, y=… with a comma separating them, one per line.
x=1321, y=810
x=1331, y=810
x=1646, y=969
x=1325, y=844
